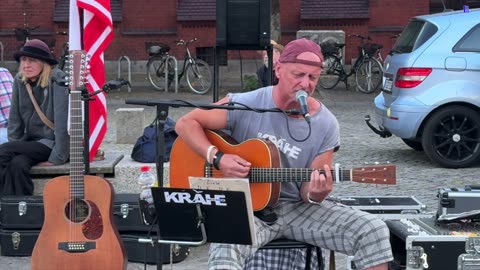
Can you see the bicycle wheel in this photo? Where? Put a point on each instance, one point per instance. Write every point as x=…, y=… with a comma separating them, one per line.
x=199, y=76
x=156, y=72
x=368, y=75
x=331, y=73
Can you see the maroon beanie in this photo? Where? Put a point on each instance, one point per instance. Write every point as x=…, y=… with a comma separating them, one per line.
x=296, y=47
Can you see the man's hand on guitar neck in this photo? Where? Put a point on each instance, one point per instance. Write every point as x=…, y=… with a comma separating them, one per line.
x=320, y=185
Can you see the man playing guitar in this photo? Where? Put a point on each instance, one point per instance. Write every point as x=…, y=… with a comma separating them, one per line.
x=302, y=213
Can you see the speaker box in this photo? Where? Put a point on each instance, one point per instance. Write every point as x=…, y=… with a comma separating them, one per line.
x=243, y=24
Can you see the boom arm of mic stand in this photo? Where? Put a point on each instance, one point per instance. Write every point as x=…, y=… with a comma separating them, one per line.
x=176, y=103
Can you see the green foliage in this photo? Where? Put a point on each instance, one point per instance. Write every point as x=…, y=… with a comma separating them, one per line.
x=250, y=82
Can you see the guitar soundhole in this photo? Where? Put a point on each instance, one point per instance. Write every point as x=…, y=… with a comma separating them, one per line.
x=77, y=211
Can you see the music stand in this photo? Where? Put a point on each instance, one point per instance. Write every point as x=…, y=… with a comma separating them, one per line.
x=197, y=216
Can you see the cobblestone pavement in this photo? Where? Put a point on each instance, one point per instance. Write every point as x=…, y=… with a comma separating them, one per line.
x=416, y=176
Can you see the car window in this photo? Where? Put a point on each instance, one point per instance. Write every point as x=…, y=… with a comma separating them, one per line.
x=414, y=35
x=470, y=42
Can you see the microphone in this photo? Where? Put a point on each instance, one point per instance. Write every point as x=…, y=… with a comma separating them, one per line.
x=301, y=97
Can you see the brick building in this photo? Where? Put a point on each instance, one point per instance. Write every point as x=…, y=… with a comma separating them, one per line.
x=140, y=21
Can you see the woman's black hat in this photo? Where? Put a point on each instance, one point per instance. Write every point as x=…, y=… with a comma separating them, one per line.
x=37, y=49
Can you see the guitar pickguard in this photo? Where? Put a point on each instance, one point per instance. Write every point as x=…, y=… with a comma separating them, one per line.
x=93, y=227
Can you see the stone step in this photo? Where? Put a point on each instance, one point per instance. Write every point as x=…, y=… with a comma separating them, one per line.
x=124, y=179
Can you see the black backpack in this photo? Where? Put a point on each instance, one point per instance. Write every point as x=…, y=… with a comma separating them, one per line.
x=145, y=148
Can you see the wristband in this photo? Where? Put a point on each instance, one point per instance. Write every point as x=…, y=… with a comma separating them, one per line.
x=209, y=152
x=312, y=201
x=216, y=159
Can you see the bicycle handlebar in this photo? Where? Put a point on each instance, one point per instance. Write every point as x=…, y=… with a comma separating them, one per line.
x=26, y=28
x=183, y=42
x=360, y=36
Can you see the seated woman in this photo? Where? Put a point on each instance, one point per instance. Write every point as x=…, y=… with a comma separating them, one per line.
x=35, y=135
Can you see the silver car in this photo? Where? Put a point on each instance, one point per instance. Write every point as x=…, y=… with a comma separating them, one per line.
x=431, y=88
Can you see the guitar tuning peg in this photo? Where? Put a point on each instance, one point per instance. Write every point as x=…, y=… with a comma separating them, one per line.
x=376, y=163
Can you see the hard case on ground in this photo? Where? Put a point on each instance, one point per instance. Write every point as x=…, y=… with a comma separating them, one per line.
x=17, y=242
x=146, y=253
x=383, y=204
x=459, y=203
x=422, y=243
x=27, y=212
x=21, y=212
x=127, y=214
x=386, y=207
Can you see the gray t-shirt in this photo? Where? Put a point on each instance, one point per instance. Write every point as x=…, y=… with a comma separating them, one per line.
x=273, y=126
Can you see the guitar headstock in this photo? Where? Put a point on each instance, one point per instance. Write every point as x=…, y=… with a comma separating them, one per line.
x=77, y=69
x=377, y=174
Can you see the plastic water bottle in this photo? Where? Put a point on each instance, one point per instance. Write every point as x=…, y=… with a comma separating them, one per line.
x=146, y=180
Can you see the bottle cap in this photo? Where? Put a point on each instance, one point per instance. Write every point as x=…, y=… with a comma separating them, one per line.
x=144, y=168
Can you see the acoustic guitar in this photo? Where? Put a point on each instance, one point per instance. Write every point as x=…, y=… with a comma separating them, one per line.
x=78, y=230
x=266, y=175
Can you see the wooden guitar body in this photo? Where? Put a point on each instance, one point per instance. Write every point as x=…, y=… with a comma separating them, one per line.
x=71, y=237
x=262, y=154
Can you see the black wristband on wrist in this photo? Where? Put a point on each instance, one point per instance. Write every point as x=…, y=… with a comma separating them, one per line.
x=216, y=159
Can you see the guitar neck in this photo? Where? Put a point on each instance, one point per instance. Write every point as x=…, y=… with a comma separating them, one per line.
x=372, y=175
x=76, y=146
x=278, y=175
x=77, y=68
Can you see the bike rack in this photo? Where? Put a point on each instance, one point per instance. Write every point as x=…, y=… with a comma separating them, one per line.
x=176, y=73
x=1, y=54
x=124, y=57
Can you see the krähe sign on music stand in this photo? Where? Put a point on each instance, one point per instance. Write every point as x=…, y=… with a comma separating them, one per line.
x=224, y=215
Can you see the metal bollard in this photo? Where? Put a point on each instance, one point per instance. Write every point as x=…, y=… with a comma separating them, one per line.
x=124, y=57
x=176, y=73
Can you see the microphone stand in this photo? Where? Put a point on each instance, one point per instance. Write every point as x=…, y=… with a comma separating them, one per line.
x=87, y=97
x=162, y=114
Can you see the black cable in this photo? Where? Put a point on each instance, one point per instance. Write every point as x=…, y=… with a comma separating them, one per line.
x=285, y=113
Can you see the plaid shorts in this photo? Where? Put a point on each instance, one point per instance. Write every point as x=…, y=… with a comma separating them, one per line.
x=281, y=259
x=330, y=225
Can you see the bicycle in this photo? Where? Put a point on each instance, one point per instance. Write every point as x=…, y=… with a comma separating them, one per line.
x=197, y=72
x=367, y=68
x=23, y=34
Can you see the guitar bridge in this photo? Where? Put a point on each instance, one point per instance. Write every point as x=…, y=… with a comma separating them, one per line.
x=75, y=247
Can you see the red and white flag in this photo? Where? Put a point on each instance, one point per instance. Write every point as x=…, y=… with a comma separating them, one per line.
x=97, y=35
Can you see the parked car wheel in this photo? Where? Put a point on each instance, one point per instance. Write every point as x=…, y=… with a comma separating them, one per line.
x=417, y=146
x=451, y=137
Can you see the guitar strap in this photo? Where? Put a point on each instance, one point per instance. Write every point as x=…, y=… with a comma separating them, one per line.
x=44, y=118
